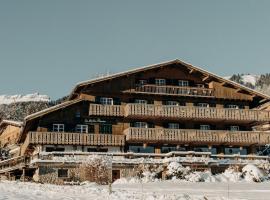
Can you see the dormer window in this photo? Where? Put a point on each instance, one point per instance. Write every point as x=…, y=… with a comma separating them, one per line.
x=160, y=81
x=205, y=105
x=106, y=101
x=58, y=127
x=234, y=128
x=140, y=101
x=183, y=83
x=82, y=128
x=205, y=127
x=233, y=106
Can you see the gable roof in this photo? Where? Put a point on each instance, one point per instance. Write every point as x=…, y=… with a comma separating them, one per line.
x=11, y=122
x=164, y=64
x=41, y=113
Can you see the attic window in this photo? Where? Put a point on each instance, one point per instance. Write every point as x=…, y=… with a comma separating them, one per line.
x=106, y=101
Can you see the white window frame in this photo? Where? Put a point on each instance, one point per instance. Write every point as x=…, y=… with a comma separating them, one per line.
x=234, y=128
x=58, y=127
x=140, y=125
x=204, y=105
x=183, y=83
x=172, y=103
x=173, y=126
x=205, y=127
x=160, y=81
x=81, y=128
x=233, y=106
x=106, y=100
x=140, y=101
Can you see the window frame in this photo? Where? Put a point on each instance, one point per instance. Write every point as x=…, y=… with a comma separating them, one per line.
x=106, y=100
x=203, y=105
x=234, y=128
x=80, y=127
x=205, y=125
x=58, y=129
x=160, y=81
x=140, y=125
x=184, y=83
x=173, y=125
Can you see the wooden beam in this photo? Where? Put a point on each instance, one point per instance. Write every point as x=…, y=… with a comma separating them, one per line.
x=191, y=71
x=205, y=78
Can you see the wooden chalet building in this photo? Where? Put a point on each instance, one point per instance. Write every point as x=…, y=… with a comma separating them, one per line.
x=156, y=109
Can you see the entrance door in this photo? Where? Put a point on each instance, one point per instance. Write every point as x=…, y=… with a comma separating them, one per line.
x=115, y=175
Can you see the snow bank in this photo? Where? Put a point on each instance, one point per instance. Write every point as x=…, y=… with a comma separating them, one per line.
x=7, y=99
x=252, y=173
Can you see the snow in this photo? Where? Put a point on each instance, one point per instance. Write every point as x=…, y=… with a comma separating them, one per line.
x=8, y=99
x=247, y=78
x=165, y=190
x=252, y=173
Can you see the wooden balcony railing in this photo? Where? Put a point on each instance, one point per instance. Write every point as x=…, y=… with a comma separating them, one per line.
x=188, y=112
x=75, y=138
x=106, y=110
x=184, y=136
x=173, y=90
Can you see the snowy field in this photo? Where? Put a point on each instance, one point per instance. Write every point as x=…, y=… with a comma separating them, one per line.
x=148, y=191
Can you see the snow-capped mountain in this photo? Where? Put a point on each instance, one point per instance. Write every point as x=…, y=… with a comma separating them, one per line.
x=9, y=99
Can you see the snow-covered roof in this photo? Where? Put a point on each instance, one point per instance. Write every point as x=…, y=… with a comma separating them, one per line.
x=163, y=64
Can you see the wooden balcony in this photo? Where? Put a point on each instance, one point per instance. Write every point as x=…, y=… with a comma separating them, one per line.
x=188, y=112
x=187, y=136
x=75, y=139
x=173, y=90
x=106, y=110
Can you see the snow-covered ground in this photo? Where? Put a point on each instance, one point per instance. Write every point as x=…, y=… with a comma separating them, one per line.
x=148, y=191
x=7, y=99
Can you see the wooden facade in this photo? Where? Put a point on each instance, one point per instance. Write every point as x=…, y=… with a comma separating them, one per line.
x=168, y=107
x=171, y=104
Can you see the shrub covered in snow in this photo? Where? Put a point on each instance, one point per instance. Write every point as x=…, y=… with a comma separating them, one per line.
x=252, y=173
x=176, y=170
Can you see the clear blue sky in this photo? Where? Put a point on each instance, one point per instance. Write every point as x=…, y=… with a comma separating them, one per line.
x=48, y=46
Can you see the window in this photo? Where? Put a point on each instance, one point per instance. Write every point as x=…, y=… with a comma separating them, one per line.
x=78, y=114
x=173, y=125
x=62, y=173
x=91, y=128
x=203, y=105
x=106, y=101
x=234, y=128
x=140, y=101
x=172, y=103
x=233, y=106
x=141, y=149
x=58, y=127
x=160, y=81
x=142, y=82
x=82, y=128
x=204, y=127
x=183, y=83
x=56, y=149
x=140, y=125
x=105, y=128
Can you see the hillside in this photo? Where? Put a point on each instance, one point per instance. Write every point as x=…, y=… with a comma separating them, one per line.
x=17, y=107
x=258, y=82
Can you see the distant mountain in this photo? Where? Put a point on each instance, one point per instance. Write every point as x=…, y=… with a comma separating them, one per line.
x=260, y=83
x=17, y=107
